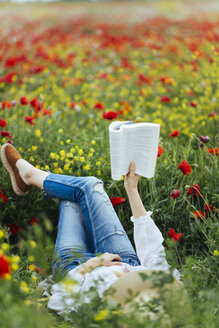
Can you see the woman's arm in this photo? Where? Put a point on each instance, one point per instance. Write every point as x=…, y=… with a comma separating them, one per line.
x=131, y=187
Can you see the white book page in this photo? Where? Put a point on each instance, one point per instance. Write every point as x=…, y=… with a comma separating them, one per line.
x=116, y=145
x=140, y=145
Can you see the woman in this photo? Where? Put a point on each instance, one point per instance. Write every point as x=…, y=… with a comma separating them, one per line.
x=88, y=226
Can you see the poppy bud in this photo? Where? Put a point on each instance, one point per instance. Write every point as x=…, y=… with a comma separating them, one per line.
x=204, y=139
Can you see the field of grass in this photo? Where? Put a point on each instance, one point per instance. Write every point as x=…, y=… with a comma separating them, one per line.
x=67, y=70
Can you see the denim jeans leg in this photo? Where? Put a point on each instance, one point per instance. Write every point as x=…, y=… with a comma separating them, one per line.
x=72, y=243
x=104, y=228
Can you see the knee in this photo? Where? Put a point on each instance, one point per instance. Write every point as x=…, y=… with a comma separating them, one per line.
x=94, y=184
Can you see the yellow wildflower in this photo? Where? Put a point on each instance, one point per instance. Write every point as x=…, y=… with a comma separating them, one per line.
x=24, y=287
x=2, y=233
x=31, y=258
x=101, y=315
x=62, y=153
x=82, y=159
x=80, y=152
x=98, y=163
x=69, y=155
x=216, y=253
x=68, y=141
x=32, y=267
x=33, y=244
x=34, y=278
x=7, y=276
x=14, y=266
x=15, y=259
x=34, y=148
x=5, y=246
x=86, y=167
x=93, y=142
x=67, y=166
x=60, y=131
x=89, y=155
x=38, y=133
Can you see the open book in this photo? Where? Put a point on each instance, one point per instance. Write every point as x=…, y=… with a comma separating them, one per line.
x=137, y=142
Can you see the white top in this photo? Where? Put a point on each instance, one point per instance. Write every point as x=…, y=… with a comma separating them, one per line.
x=148, y=242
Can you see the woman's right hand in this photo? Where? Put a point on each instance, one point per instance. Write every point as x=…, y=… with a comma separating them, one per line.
x=106, y=259
x=131, y=179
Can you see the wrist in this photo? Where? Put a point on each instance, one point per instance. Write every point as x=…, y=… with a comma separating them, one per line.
x=131, y=190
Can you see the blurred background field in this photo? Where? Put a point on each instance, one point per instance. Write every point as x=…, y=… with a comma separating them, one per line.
x=67, y=69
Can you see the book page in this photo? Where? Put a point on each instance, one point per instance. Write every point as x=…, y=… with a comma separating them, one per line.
x=140, y=145
x=116, y=144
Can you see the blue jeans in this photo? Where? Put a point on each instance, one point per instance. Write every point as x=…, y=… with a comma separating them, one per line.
x=88, y=224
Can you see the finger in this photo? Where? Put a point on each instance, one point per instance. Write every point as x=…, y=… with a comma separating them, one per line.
x=117, y=258
x=132, y=169
x=115, y=263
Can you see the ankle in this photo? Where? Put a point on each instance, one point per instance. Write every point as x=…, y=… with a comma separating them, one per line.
x=25, y=170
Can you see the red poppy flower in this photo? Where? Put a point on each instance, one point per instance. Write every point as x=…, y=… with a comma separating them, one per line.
x=4, y=266
x=194, y=190
x=33, y=221
x=160, y=151
x=24, y=101
x=174, y=133
x=144, y=78
x=2, y=195
x=211, y=114
x=198, y=214
x=34, y=102
x=165, y=99
x=14, y=228
x=6, y=104
x=47, y=112
x=72, y=104
x=214, y=151
x=185, y=167
x=175, y=194
x=103, y=76
x=37, y=69
x=117, y=200
x=209, y=208
x=8, y=78
x=39, y=106
x=175, y=236
x=166, y=80
x=109, y=115
x=193, y=104
x=2, y=123
x=99, y=105
x=40, y=270
x=84, y=102
x=5, y=134
x=29, y=119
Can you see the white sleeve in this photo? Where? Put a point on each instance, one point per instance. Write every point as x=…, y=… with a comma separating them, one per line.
x=148, y=242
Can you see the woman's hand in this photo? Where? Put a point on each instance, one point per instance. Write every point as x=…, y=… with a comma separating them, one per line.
x=131, y=179
x=106, y=259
